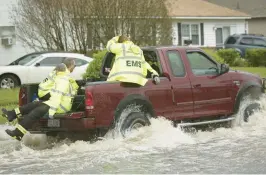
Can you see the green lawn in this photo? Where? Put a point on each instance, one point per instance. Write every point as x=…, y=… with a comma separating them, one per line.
x=9, y=100
x=255, y=70
x=8, y=96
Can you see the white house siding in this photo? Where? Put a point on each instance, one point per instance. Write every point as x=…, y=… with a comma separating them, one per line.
x=210, y=25
x=9, y=53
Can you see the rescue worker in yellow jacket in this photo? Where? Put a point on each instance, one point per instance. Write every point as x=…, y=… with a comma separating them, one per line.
x=46, y=85
x=62, y=94
x=130, y=65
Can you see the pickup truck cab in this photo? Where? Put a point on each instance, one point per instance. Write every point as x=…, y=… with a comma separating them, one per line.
x=194, y=90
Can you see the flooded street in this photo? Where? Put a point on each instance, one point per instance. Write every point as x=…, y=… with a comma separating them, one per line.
x=159, y=148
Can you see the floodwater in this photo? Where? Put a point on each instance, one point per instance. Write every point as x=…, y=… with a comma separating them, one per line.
x=159, y=148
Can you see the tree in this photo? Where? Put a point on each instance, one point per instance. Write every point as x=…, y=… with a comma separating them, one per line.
x=77, y=25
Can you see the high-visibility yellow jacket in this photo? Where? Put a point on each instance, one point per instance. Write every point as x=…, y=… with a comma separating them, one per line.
x=62, y=94
x=47, y=84
x=130, y=65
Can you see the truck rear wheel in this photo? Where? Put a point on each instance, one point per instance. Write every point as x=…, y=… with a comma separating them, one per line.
x=133, y=121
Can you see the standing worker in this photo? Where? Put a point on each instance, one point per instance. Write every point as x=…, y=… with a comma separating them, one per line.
x=130, y=65
x=62, y=94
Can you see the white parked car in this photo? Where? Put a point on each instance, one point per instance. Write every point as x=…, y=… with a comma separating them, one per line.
x=35, y=67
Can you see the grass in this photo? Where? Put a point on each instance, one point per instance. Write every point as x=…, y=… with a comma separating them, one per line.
x=261, y=71
x=8, y=96
x=8, y=100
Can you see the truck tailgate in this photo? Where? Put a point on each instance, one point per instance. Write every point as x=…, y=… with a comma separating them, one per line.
x=75, y=121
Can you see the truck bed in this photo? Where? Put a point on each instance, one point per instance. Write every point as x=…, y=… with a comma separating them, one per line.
x=74, y=119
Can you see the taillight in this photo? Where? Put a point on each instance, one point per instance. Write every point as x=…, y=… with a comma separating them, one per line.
x=22, y=96
x=89, y=100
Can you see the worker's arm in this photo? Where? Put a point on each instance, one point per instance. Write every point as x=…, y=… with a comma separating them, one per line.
x=113, y=45
x=74, y=85
x=149, y=68
x=155, y=75
x=57, y=93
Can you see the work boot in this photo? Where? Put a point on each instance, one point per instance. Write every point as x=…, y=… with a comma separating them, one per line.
x=16, y=134
x=10, y=115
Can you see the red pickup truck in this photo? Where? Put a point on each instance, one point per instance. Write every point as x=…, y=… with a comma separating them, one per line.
x=194, y=90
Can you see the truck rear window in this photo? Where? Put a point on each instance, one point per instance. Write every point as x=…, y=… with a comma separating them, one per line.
x=232, y=40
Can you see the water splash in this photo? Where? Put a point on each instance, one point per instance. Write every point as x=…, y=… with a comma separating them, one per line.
x=160, y=137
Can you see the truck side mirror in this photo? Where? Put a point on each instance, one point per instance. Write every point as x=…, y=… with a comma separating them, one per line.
x=224, y=69
x=37, y=64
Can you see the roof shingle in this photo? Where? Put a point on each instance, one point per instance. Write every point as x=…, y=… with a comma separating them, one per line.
x=256, y=8
x=200, y=8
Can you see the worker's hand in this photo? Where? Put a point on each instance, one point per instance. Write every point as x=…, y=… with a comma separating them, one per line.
x=46, y=115
x=108, y=70
x=156, y=79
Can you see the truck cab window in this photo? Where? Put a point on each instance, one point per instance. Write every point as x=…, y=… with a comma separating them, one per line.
x=151, y=58
x=176, y=63
x=201, y=64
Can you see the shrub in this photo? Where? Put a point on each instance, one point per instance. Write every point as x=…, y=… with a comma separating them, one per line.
x=227, y=56
x=256, y=57
x=230, y=56
x=93, y=70
x=240, y=62
x=212, y=53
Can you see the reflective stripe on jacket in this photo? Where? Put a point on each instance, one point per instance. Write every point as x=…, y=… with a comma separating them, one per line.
x=62, y=94
x=130, y=65
x=46, y=85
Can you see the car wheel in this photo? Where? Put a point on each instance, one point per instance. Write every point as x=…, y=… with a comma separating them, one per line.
x=133, y=121
x=8, y=82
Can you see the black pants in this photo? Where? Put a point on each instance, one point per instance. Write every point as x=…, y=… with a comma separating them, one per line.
x=31, y=112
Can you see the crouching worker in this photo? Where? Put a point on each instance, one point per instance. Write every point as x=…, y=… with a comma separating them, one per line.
x=130, y=65
x=47, y=84
x=62, y=94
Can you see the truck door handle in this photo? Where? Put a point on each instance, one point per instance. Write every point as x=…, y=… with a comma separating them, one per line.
x=197, y=85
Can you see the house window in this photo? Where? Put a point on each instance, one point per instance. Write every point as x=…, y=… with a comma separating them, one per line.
x=190, y=32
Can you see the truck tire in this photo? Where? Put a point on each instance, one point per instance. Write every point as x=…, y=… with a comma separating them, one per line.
x=133, y=121
x=133, y=116
x=249, y=110
x=246, y=110
x=132, y=109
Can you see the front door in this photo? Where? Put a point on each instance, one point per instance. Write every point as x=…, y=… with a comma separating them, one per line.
x=211, y=92
x=219, y=37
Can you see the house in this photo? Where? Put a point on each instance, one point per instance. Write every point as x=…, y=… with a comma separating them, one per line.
x=206, y=24
x=10, y=47
x=255, y=8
